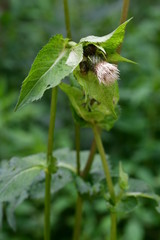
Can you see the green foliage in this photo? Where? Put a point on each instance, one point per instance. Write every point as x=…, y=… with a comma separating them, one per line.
x=17, y=176
x=111, y=41
x=135, y=137
x=54, y=62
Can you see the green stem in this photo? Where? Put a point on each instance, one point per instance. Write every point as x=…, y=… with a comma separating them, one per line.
x=113, y=226
x=78, y=215
x=67, y=20
x=78, y=218
x=90, y=160
x=124, y=14
x=77, y=140
x=49, y=162
x=104, y=162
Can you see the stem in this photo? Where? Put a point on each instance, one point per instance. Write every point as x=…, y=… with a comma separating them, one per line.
x=113, y=226
x=104, y=162
x=67, y=20
x=78, y=218
x=49, y=162
x=123, y=17
x=78, y=215
x=124, y=11
x=90, y=160
x=77, y=140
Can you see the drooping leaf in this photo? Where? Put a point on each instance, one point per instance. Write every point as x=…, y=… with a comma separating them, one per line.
x=10, y=216
x=18, y=175
x=56, y=60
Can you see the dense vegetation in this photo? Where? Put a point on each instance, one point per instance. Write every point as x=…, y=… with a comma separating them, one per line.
x=26, y=27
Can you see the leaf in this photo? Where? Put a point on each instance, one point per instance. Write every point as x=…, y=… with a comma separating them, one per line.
x=17, y=176
x=123, y=178
x=126, y=205
x=10, y=216
x=111, y=41
x=102, y=113
x=56, y=60
x=75, y=56
x=115, y=57
x=139, y=189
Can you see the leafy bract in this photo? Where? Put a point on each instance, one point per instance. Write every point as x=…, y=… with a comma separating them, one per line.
x=56, y=60
x=109, y=42
x=103, y=113
x=115, y=58
x=18, y=175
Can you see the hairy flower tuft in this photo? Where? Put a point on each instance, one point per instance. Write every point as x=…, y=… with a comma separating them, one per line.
x=106, y=73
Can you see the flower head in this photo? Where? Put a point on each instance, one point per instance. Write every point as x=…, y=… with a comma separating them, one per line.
x=106, y=73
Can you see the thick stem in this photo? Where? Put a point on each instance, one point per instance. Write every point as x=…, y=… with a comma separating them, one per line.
x=67, y=20
x=113, y=226
x=78, y=219
x=104, y=162
x=49, y=162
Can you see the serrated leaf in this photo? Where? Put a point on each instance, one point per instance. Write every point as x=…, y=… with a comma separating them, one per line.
x=111, y=41
x=52, y=64
x=139, y=189
x=19, y=174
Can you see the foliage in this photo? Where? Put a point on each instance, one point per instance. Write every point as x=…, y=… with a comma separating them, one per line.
x=135, y=137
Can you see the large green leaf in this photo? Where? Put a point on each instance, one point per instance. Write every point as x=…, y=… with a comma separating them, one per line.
x=109, y=42
x=57, y=59
x=18, y=175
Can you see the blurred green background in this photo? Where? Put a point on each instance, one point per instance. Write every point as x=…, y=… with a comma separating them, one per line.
x=25, y=26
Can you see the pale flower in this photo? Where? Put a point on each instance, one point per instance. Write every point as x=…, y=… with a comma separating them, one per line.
x=106, y=73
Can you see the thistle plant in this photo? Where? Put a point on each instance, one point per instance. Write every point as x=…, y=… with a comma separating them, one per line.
x=93, y=92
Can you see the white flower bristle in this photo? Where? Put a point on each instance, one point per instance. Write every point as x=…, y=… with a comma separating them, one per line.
x=106, y=73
